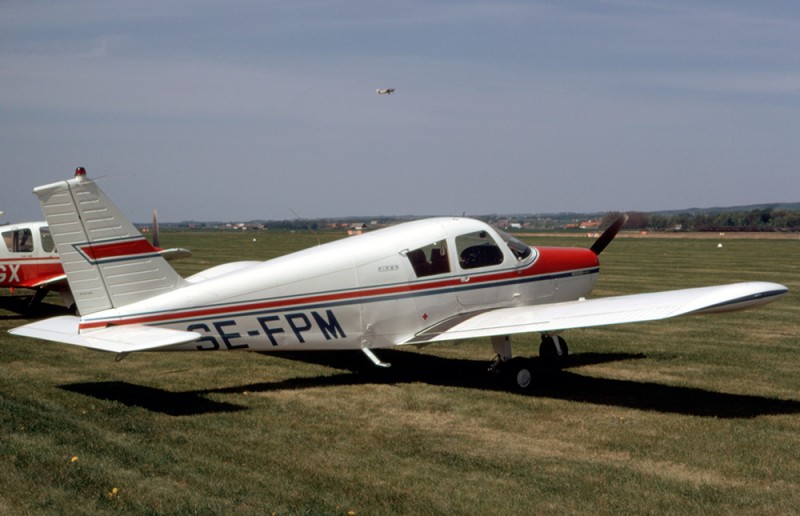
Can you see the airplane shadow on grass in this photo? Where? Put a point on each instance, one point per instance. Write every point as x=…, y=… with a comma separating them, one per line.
x=21, y=309
x=152, y=399
x=410, y=367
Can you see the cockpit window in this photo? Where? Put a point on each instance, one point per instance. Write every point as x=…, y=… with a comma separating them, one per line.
x=47, y=240
x=478, y=249
x=19, y=240
x=517, y=246
x=429, y=260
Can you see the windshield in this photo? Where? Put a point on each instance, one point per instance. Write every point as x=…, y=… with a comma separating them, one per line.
x=477, y=249
x=517, y=246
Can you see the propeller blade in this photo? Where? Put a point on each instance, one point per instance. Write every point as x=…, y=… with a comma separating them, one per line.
x=608, y=235
x=154, y=229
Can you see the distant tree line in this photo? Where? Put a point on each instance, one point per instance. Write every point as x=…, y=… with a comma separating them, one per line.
x=761, y=219
x=766, y=219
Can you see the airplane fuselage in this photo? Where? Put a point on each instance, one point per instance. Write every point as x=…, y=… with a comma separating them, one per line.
x=363, y=291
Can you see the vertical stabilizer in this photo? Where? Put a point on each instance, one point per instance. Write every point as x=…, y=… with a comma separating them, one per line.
x=107, y=261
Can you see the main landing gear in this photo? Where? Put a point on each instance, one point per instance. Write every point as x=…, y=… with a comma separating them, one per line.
x=519, y=372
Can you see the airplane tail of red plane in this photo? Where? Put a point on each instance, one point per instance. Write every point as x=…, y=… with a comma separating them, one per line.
x=108, y=263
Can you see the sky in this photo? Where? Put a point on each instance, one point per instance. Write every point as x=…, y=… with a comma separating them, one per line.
x=233, y=111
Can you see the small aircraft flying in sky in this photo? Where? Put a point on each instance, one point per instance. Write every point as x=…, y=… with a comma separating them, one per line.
x=28, y=259
x=386, y=91
x=419, y=282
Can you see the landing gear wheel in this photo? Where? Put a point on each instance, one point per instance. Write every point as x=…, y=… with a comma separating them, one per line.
x=553, y=350
x=519, y=373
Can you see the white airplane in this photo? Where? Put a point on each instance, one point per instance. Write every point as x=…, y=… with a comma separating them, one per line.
x=28, y=259
x=386, y=91
x=414, y=283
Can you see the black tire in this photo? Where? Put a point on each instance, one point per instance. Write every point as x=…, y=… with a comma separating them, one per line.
x=553, y=350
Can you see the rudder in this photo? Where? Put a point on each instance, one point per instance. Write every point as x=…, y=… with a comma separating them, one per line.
x=107, y=261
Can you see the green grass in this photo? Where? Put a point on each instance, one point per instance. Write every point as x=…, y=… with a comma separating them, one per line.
x=692, y=415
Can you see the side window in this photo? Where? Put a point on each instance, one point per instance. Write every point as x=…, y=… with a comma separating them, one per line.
x=477, y=250
x=47, y=240
x=429, y=260
x=19, y=241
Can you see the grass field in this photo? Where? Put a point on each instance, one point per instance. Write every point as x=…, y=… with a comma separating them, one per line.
x=693, y=415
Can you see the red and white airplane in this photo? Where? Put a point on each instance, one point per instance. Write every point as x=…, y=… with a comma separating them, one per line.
x=28, y=259
x=414, y=283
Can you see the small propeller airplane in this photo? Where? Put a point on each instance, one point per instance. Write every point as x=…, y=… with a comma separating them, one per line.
x=28, y=259
x=418, y=282
x=386, y=91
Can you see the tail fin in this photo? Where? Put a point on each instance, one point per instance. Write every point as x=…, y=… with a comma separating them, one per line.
x=107, y=261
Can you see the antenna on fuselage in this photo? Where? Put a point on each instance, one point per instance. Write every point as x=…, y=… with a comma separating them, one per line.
x=307, y=226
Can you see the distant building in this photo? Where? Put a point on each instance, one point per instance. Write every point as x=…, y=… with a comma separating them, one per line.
x=356, y=228
x=241, y=226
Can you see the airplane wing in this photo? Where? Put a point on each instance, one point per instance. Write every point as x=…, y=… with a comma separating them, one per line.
x=118, y=339
x=602, y=311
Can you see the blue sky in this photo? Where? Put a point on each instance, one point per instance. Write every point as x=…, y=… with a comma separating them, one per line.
x=212, y=110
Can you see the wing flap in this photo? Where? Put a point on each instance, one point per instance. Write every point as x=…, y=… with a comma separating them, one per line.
x=602, y=311
x=118, y=339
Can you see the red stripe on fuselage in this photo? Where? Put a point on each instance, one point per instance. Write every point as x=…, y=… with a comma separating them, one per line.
x=266, y=305
x=29, y=259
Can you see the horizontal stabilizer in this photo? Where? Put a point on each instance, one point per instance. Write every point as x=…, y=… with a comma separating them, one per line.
x=601, y=311
x=174, y=253
x=118, y=339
